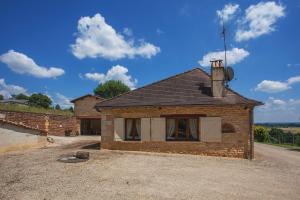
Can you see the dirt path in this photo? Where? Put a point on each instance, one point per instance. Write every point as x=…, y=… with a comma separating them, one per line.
x=283, y=156
x=36, y=174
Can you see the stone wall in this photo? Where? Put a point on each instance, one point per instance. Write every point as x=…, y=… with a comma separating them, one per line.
x=85, y=107
x=53, y=124
x=235, y=144
x=197, y=148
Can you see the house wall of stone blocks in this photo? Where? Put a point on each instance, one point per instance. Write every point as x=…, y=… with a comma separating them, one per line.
x=213, y=141
x=85, y=109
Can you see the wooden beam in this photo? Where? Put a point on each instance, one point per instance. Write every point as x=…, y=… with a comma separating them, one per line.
x=183, y=115
x=176, y=133
x=187, y=131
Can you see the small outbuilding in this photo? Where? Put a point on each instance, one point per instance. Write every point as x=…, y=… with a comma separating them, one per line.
x=192, y=112
x=88, y=120
x=19, y=102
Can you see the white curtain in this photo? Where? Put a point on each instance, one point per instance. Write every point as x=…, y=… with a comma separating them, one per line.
x=129, y=128
x=138, y=127
x=193, y=128
x=171, y=128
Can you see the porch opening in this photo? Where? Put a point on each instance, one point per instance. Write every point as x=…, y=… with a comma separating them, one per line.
x=90, y=126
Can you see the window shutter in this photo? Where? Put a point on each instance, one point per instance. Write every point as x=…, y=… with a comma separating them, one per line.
x=210, y=129
x=158, y=129
x=119, y=129
x=145, y=127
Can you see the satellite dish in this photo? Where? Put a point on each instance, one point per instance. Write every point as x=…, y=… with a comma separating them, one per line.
x=229, y=74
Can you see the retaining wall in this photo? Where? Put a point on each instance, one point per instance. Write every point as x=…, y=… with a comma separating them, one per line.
x=52, y=124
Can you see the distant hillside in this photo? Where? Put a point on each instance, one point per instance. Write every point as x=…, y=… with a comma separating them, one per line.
x=20, y=108
x=281, y=125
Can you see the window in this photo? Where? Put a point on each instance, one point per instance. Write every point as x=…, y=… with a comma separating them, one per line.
x=182, y=129
x=133, y=129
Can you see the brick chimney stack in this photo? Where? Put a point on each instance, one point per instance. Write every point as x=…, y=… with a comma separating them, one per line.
x=217, y=78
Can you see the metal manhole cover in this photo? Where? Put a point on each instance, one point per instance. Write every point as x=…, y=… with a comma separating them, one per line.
x=74, y=158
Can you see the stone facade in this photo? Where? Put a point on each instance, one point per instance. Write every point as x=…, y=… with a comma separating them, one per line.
x=52, y=124
x=197, y=148
x=84, y=108
x=232, y=144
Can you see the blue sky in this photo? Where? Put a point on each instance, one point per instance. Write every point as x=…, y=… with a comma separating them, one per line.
x=65, y=48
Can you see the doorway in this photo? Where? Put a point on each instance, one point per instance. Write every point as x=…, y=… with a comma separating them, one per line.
x=90, y=126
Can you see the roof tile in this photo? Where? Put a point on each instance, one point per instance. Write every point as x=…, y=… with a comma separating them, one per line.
x=189, y=88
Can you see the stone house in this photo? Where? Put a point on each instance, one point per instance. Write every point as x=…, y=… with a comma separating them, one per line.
x=88, y=120
x=19, y=102
x=192, y=112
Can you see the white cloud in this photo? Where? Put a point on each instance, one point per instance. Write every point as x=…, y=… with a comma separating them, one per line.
x=117, y=72
x=272, y=86
x=127, y=31
x=279, y=102
x=259, y=20
x=278, y=110
x=63, y=101
x=227, y=12
x=292, y=80
x=234, y=56
x=96, y=38
x=276, y=86
x=8, y=90
x=22, y=64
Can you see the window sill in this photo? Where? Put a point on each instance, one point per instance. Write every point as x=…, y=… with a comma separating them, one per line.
x=183, y=141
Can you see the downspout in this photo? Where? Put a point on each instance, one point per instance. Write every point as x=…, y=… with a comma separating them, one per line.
x=150, y=129
x=251, y=150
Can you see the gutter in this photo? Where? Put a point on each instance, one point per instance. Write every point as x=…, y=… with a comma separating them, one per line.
x=251, y=148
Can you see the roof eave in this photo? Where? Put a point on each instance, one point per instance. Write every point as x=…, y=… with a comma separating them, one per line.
x=99, y=107
x=87, y=95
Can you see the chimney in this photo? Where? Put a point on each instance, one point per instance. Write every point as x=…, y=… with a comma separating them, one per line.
x=217, y=78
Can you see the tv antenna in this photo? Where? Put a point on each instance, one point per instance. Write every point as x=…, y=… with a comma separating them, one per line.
x=224, y=32
x=229, y=73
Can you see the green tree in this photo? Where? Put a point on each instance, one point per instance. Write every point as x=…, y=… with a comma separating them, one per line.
x=1, y=97
x=40, y=100
x=71, y=109
x=261, y=134
x=111, y=89
x=57, y=107
x=21, y=97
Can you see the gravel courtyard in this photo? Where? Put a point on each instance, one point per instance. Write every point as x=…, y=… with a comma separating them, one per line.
x=36, y=174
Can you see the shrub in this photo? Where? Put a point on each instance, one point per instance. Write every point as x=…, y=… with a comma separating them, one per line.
x=287, y=137
x=261, y=134
x=297, y=139
x=277, y=134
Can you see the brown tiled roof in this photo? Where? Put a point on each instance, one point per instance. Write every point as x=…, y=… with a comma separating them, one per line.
x=189, y=88
x=87, y=95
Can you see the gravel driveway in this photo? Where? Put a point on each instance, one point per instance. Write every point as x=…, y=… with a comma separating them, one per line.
x=36, y=174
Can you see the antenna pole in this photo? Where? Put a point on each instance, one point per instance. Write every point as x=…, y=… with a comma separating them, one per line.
x=224, y=41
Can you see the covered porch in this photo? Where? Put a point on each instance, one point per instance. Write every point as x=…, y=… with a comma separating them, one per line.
x=90, y=126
